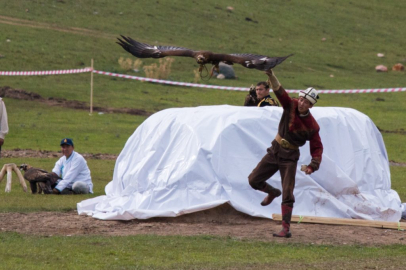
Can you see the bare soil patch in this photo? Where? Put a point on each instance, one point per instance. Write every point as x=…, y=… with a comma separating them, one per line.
x=9, y=92
x=28, y=153
x=220, y=221
x=52, y=26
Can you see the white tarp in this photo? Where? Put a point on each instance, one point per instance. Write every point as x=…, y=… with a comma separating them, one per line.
x=184, y=160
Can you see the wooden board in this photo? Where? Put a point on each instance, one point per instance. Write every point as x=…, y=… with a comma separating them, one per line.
x=345, y=221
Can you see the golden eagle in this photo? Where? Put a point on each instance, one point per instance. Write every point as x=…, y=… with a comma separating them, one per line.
x=142, y=50
x=40, y=177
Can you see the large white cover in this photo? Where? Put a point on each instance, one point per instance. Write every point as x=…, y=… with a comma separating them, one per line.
x=184, y=160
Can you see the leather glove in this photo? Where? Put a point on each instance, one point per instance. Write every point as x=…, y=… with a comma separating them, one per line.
x=272, y=80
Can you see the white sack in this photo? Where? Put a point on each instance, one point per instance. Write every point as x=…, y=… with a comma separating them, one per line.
x=184, y=160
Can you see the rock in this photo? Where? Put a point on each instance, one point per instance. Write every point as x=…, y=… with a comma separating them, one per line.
x=381, y=68
x=398, y=67
x=248, y=19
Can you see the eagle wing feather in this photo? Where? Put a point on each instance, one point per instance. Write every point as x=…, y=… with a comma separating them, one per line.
x=143, y=50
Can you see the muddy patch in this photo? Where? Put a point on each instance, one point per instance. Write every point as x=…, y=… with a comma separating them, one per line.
x=9, y=92
x=400, y=131
x=220, y=221
x=29, y=153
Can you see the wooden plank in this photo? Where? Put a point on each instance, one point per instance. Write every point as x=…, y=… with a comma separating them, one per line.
x=345, y=221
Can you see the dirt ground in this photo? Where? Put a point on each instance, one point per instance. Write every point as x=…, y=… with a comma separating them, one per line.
x=6, y=91
x=219, y=221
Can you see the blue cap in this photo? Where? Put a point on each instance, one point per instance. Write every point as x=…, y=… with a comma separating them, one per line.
x=67, y=141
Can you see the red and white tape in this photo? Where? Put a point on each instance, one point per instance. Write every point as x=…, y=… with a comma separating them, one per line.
x=143, y=79
x=348, y=91
x=45, y=72
x=356, y=91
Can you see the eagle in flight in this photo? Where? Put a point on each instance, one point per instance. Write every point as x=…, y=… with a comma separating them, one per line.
x=142, y=50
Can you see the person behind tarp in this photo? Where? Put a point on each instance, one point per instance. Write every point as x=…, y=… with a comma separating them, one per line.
x=3, y=122
x=259, y=96
x=73, y=169
x=296, y=126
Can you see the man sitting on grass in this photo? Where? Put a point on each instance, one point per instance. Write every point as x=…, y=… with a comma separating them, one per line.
x=73, y=170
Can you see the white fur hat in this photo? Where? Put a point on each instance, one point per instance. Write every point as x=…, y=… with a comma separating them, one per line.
x=310, y=94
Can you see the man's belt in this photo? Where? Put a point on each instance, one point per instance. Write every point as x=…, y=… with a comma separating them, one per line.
x=284, y=143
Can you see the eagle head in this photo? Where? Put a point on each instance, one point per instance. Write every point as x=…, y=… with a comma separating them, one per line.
x=201, y=59
x=25, y=167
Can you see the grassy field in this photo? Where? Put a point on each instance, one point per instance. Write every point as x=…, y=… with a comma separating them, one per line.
x=201, y=252
x=50, y=34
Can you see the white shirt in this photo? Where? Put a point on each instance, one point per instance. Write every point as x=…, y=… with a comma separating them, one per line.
x=3, y=120
x=72, y=170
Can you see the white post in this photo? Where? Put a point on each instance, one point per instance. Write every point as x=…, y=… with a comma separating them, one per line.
x=91, y=88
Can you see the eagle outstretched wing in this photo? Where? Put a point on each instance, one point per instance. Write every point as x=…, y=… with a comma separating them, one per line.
x=143, y=50
x=260, y=62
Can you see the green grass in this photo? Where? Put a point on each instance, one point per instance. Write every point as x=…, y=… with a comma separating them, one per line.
x=37, y=126
x=398, y=181
x=176, y=252
x=355, y=32
x=18, y=201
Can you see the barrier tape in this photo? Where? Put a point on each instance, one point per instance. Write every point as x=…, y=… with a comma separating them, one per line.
x=144, y=79
x=350, y=91
x=45, y=72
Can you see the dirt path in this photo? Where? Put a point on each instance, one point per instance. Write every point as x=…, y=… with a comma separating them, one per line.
x=9, y=92
x=28, y=153
x=220, y=221
x=73, y=30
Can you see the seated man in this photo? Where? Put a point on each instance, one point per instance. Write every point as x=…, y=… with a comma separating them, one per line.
x=73, y=170
x=259, y=96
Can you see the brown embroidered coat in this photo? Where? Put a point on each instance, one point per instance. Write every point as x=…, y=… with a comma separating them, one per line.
x=297, y=130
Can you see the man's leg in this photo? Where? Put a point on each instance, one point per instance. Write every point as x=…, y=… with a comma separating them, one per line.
x=288, y=173
x=80, y=188
x=262, y=172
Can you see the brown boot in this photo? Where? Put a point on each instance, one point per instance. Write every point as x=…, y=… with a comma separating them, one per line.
x=286, y=217
x=272, y=194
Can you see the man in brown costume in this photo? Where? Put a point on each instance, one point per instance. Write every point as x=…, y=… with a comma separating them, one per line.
x=296, y=126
